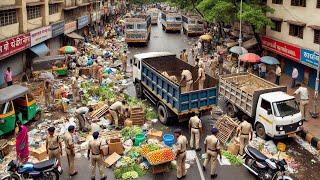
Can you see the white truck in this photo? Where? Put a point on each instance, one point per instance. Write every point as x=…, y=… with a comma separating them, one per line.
x=273, y=112
x=192, y=25
x=153, y=13
x=171, y=21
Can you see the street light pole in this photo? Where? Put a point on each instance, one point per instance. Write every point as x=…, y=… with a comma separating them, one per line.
x=315, y=112
x=240, y=36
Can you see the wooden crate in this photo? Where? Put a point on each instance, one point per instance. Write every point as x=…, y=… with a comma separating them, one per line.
x=161, y=168
x=227, y=127
x=137, y=116
x=4, y=147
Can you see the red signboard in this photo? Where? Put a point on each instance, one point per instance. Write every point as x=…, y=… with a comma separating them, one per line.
x=282, y=48
x=14, y=45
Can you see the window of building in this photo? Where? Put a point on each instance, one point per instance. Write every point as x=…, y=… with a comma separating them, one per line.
x=317, y=36
x=301, y=3
x=277, y=1
x=53, y=8
x=8, y=17
x=277, y=25
x=318, y=3
x=296, y=31
x=33, y=12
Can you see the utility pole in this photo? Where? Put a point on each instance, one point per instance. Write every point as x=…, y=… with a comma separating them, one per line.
x=240, y=36
x=315, y=112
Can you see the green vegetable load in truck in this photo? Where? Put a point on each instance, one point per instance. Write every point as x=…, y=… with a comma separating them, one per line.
x=163, y=89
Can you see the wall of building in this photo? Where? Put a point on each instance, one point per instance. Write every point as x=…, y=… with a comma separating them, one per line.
x=34, y=23
x=55, y=17
x=31, y=1
x=9, y=31
x=70, y=3
x=309, y=15
x=15, y=62
x=7, y=2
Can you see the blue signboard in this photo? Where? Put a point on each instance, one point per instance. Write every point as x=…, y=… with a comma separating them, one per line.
x=57, y=28
x=309, y=58
x=83, y=21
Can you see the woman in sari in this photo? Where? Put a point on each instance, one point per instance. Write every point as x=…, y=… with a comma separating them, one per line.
x=22, y=144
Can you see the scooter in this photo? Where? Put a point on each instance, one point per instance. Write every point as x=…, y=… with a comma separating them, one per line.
x=45, y=170
x=263, y=167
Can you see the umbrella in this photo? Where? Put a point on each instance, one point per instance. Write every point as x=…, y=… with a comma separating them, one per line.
x=206, y=37
x=238, y=50
x=121, y=21
x=68, y=49
x=269, y=60
x=250, y=57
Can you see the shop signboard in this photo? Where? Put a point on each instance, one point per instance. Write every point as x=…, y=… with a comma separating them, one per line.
x=83, y=21
x=40, y=35
x=57, y=28
x=14, y=45
x=70, y=27
x=309, y=58
x=282, y=48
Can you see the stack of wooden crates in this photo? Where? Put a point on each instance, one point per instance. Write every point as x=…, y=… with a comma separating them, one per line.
x=137, y=116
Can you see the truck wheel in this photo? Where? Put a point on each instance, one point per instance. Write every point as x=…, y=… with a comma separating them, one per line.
x=261, y=132
x=163, y=28
x=163, y=114
x=138, y=90
x=184, y=30
x=231, y=110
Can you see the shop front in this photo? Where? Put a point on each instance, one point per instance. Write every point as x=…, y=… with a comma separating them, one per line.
x=290, y=56
x=69, y=33
x=12, y=54
x=57, y=39
x=82, y=24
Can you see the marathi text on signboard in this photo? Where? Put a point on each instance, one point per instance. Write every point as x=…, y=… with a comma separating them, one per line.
x=57, y=28
x=40, y=35
x=14, y=45
x=309, y=58
x=83, y=21
x=70, y=27
x=282, y=48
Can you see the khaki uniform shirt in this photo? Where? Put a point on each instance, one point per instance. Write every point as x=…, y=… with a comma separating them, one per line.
x=195, y=122
x=187, y=75
x=68, y=139
x=53, y=142
x=245, y=128
x=117, y=106
x=201, y=74
x=95, y=147
x=182, y=144
x=123, y=58
x=212, y=143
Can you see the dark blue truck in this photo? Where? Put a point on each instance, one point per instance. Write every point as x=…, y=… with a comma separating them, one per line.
x=166, y=94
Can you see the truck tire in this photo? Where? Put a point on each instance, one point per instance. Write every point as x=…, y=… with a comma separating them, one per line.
x=163, y=28
x=260, y=130
x=231, y=110
x=138, y=88
x=163, y=114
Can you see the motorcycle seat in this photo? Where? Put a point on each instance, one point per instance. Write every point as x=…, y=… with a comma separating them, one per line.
x=44, y=165
x=256, y=154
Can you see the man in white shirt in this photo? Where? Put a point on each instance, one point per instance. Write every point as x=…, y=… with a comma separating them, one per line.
x=278, y=74
x=304, y=99
x=294, y=76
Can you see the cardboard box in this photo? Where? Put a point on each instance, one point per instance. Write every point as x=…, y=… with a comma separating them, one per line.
x=154, y=134
x=112, y=159
x=39, y=153
x=115, y=145
x=127, y=123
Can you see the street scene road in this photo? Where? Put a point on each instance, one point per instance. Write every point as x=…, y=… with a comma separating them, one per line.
x=127, y=86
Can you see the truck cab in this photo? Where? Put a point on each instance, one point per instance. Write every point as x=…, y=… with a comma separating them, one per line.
x=192, y=25
x=171, y=21
x=153, y=12
x=138, y=29
x=277, y=115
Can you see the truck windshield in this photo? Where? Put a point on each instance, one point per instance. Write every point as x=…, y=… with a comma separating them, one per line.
x=178, y=19
x=285, y=108
x=141, y=26
x=129, y=26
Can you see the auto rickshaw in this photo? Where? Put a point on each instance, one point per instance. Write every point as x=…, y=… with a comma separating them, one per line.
x=16, y=104
x=60, y=69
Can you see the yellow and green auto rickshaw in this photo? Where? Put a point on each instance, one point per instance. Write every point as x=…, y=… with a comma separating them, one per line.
x=16, y=104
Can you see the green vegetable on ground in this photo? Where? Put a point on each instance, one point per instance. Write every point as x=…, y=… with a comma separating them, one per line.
x=232, y=158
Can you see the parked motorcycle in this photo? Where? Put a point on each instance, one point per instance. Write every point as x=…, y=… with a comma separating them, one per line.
x=45, y=170
x=263, y=167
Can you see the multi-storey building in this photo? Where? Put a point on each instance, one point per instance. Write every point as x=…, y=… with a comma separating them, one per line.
x=295, y=37
x=33, y=29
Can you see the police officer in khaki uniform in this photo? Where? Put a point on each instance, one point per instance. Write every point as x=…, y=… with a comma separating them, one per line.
x=186, y=76
x=212, y=147
x=47, y=93
x=124, y=59
x=116, y=109
x=53, y=145
x=69, y=142
x=201, y=76
x=96, y=156
x=180, y=151
x=245, y=132
x=195, y=128
x=75, y=90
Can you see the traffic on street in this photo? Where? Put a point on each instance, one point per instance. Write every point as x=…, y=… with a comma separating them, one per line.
x=155, y=90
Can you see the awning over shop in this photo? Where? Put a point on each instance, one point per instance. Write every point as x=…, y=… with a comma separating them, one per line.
x=40, y=49
x=314, y=27
x=248, y=44
x=296, y=23
x=276, y=18
x=74, y=35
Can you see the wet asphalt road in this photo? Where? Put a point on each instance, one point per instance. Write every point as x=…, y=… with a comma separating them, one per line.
x=173, y=42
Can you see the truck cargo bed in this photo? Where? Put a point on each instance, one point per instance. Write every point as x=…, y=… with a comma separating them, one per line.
x=169, y=92
x=243, y=90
